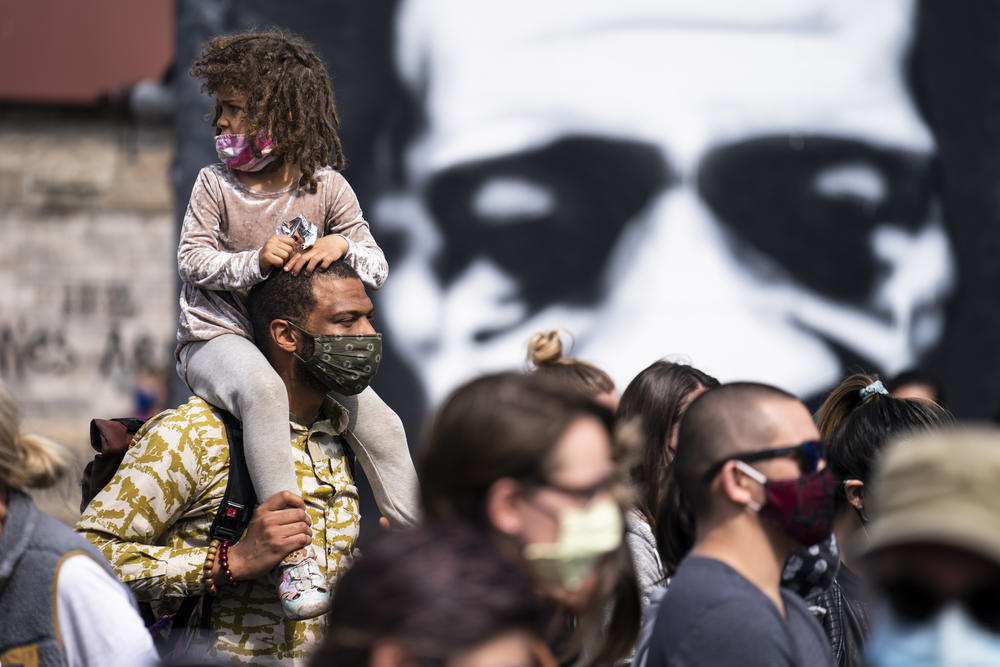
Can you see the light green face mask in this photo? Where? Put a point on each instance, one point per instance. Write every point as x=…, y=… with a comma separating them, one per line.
x=585, y=535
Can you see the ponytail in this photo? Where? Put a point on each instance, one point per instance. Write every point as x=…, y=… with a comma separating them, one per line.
x=842, y=401
x=27, y=460
x=859, y=418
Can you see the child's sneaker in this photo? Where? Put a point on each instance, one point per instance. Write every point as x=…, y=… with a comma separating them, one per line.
x=303, y=588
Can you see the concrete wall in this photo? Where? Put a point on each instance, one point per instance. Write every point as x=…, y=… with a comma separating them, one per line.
x=87, y=269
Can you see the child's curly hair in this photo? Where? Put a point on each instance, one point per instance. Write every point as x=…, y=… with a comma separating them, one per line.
x=288, y=94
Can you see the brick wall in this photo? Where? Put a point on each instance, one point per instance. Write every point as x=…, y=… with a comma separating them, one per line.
x=87, y=271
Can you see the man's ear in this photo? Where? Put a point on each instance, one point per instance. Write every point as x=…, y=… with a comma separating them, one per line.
x=503, y=506
x=283, y=335
x=854, y=489
x=736, y=485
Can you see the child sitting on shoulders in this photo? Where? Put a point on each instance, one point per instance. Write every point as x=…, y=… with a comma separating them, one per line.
x=275, y=124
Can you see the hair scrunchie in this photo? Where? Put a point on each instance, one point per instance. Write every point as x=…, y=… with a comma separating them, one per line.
x=875, y=387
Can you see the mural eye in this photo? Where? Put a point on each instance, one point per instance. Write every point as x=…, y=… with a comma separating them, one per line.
x=783, y=197
x=857, y=182
x=508, y=200
x=548, y=217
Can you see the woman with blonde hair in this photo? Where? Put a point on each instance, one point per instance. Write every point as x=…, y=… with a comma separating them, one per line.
x=60, y=604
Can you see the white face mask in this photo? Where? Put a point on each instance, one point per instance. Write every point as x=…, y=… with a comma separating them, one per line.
x=950, y=639
x=585, y=535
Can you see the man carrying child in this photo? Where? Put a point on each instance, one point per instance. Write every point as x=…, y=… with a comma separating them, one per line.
x=152, y=520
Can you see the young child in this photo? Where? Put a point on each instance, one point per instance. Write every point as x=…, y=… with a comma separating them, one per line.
x=275, y=126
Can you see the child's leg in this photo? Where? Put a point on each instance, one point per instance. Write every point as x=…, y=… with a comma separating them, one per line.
x=230, y=372
x=380, y=445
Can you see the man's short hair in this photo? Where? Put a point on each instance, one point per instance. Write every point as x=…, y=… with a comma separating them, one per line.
x=723, y=421
x=286, y=296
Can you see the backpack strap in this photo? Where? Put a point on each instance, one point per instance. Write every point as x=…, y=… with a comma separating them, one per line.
x=239, y=499
x=237, y=503
x=230, y=523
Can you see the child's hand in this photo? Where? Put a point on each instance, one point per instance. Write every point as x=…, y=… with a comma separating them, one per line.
x=326, y=251
x=275, y=252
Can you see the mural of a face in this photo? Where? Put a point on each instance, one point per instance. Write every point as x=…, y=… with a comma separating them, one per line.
x=743, y=184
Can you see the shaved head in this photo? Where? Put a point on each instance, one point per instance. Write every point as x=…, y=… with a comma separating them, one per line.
x=724, y=421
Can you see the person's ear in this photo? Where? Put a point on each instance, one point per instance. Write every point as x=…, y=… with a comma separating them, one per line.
x=735, y=484
x=503, y=506
x=283, y=335
x=672, y=440
x=854, y=489
x=388, y=653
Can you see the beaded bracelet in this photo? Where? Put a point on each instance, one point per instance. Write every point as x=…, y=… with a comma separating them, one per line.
x=213, y=549
x=224, y=564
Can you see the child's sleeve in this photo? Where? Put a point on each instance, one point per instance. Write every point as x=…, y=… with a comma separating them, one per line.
x=200, y=259
x=344, y=217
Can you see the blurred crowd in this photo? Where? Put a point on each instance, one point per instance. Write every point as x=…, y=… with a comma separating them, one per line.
x=684, y=522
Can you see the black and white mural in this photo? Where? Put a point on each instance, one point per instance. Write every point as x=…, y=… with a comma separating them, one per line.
x=766, y=189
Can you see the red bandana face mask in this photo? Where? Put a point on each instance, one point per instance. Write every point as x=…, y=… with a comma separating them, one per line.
x=802, y=508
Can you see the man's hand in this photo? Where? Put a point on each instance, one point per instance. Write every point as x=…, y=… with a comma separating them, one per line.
x=276, y=252
x=326, y=251
x=279, y=526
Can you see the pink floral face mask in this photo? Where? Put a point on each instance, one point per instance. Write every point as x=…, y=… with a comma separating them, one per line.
x=235, y=151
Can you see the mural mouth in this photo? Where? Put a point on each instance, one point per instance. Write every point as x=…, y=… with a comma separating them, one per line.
x=484, y=336
x=851, y=359
x=489, y=333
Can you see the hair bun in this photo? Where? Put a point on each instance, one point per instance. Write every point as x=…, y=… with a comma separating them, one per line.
x=545, y=348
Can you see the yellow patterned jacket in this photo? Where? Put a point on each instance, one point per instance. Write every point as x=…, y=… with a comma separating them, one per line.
x=151, y=522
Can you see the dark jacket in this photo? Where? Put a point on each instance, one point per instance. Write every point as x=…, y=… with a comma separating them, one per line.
x=845, y=617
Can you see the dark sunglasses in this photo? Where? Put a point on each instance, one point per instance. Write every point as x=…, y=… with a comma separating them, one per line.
x=913, y=602
x=809, y=453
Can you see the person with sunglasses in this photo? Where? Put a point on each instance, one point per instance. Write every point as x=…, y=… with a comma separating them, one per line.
x=750, y=464
x=933, y=556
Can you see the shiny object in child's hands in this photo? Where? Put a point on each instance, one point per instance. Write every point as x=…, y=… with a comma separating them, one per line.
x=301, y=227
